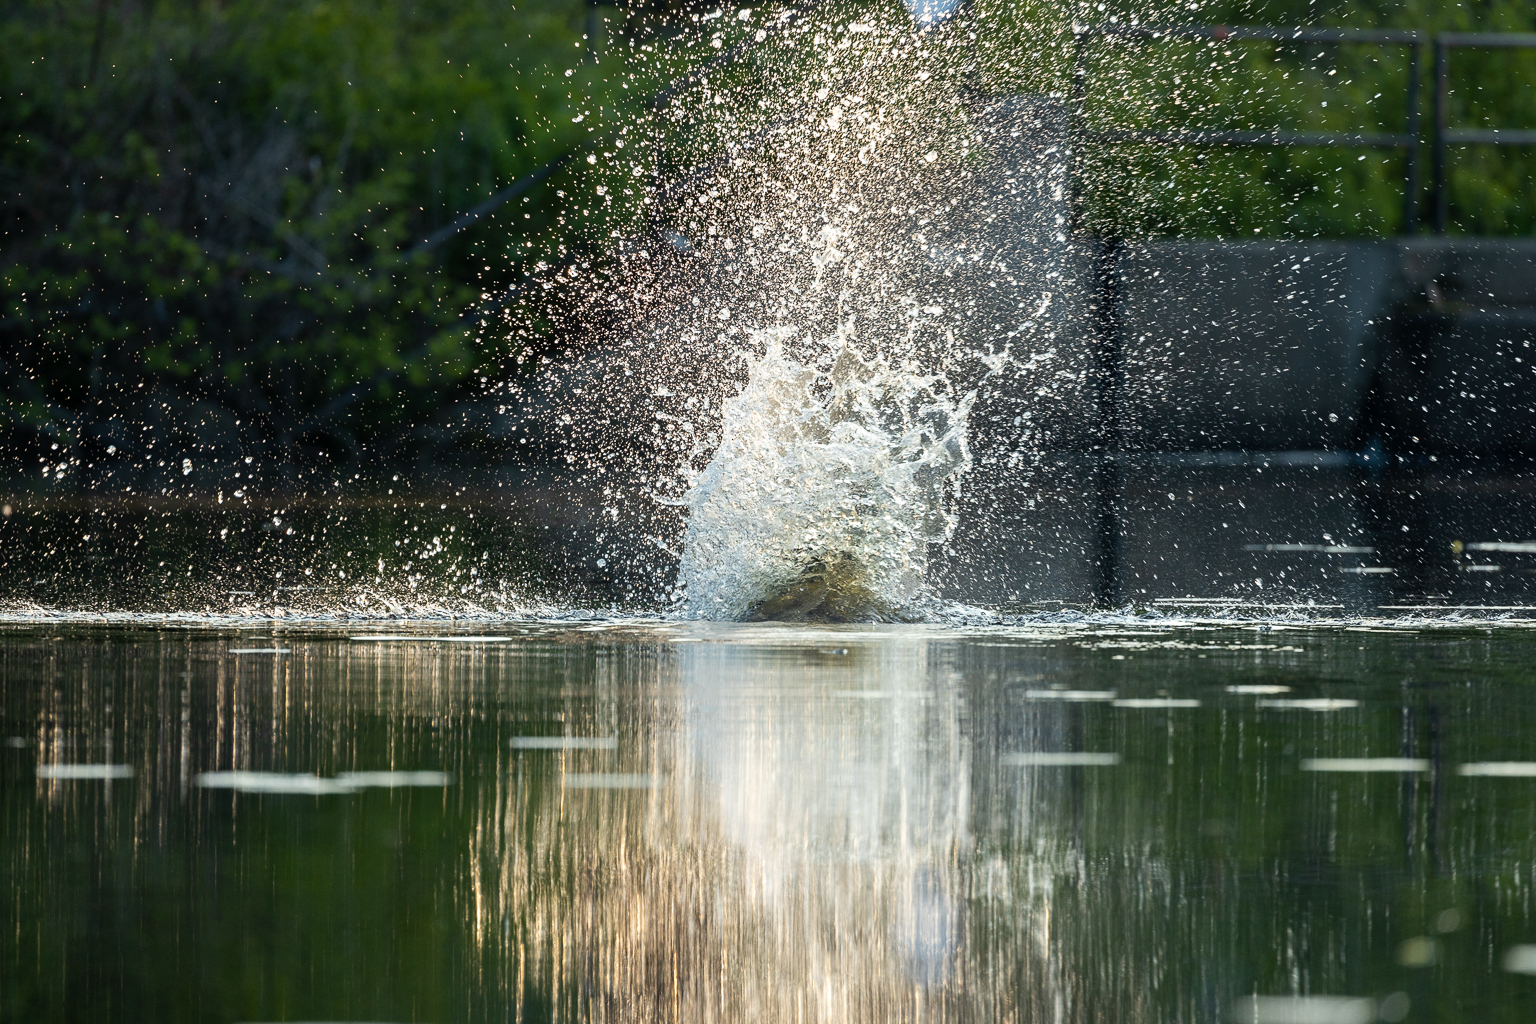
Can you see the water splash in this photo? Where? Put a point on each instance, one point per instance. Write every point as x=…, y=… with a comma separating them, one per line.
x=828, y=485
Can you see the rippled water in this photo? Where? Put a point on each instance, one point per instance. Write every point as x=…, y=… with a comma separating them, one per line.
x=632, y=820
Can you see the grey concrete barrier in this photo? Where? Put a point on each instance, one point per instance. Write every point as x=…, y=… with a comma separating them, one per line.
x=1249, y=345
x=1458, y=373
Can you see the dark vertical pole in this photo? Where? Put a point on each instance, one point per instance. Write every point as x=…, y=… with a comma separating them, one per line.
x=1075, y=730
x=1436, y=792
x=1411, y=161
x=1107, y=429
x=1106, y=337
x=1408, y=798
x=1442, y=201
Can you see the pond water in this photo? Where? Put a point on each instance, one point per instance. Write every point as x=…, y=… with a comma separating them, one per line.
x=636, y=820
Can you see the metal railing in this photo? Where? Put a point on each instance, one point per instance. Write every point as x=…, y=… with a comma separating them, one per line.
x=1406, y=140
x=1446, y=136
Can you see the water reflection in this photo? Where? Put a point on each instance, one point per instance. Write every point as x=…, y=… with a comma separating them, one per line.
x=641, y=821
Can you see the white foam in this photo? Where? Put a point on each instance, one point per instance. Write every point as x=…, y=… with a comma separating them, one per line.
x=392, y=780
x=1258, y=689
x=260, y=650
x=1070, y=694
x=1499, y=769
x=828, y=484
x=272, y=782
x=84, y=772
x=398, y=638
x=1157, y=702
x=1304, y=1010
x=607, y=780
x=1364, y=764
x=1520, y=959
x=565, y=743
x=1059, y=759
x=1311, y=703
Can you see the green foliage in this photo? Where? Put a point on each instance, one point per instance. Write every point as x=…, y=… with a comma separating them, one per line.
x=1238, y=85
x=225, y=205
x=230, y=198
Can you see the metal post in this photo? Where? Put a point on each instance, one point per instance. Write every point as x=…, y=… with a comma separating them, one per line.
x=1106, y=338
x=1105, y=254
x=1408, y=793
x=1442, y=201
x=1106, y=324
x=1411, y=158
x=1436, y=793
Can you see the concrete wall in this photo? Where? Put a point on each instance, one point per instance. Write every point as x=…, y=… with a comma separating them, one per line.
x=1295, y=422
x=1458, y=370
x=1269, y=346
x=1285, y=421
x=1253, y=345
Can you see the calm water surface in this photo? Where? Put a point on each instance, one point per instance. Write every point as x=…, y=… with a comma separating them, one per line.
x=641, y=821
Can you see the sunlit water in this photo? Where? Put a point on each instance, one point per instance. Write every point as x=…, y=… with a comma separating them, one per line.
x=640, y=820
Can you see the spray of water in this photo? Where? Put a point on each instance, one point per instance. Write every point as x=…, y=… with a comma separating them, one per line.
x=844, y=305
x=828, y=485
x=809, y=330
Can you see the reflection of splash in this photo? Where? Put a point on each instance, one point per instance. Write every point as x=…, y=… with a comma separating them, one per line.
x=854, y=818
x=827, y=487
x=787, y=866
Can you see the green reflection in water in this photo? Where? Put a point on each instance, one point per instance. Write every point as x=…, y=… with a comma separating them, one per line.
x=642, y=821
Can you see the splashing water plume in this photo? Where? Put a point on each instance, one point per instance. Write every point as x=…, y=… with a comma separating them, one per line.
x=812, y=335
x=734, y=379
x=827, y=487
x=815, y=334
